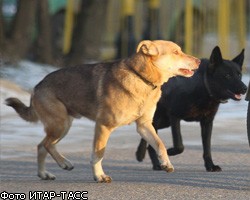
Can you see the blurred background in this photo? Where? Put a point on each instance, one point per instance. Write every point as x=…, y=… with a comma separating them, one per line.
x=69, y=32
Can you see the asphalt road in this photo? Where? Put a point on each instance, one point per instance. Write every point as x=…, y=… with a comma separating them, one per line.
x=131, y=179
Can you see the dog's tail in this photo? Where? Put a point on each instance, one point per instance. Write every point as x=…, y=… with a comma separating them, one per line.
x=141, y=150
x=27, y=113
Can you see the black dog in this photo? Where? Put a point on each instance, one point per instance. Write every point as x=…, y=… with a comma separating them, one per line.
x=196, y=99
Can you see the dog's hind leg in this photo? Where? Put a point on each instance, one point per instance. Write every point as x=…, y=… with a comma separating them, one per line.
x=206, y=133
x=141, y=150
x=154, y=158
x=147, y=132
x=41, y=156
x=48, y=145
x=177, y=141
x=56, y=125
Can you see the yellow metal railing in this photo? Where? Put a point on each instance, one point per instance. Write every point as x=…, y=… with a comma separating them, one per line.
x=127, y=27
x=188, y=27
x=68, y=26
x=242, y=23
x=154, y=4
x=128, y=7
x=197, y=25
x=223, y=26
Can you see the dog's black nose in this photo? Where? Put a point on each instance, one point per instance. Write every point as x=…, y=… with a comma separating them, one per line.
x=244, y=89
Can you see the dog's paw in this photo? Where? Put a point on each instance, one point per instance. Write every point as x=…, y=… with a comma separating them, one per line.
x=175, y=150
x=44, y=175
x=214, y=168
x=168, y=169
x=157, y=167
x=66, y=165
x=103, y=179
x=139, y=156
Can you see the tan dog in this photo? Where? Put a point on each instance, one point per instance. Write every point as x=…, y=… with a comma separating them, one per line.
x=112, y=94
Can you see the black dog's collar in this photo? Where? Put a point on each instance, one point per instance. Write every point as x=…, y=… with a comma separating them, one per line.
x=209, y=89
x=142, y=78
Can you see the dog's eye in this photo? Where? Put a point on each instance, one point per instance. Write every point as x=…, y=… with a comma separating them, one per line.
x=176, y=52
x=228, y=76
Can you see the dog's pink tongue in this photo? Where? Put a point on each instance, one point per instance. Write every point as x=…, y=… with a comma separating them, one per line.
x=237, y=96
x=187, y=71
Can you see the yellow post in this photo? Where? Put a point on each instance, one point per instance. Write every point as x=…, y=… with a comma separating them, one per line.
x=242, y=23
x=188, y=27
x=154, y=4
x=152, y=30
x=223, y=26
x=68, y=26
x=128, y=7
x=127, y=29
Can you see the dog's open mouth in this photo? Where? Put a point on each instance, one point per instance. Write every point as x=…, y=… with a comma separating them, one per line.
x=187, y=72
x=237, y=96
x=234, y=96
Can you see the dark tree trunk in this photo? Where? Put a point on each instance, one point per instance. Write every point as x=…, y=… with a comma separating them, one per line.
x=88, y=32
x=44, y=41
x=1, y=25
x=17, y=44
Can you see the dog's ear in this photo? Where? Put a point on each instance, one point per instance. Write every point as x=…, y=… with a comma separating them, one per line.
x=240, y=58
x=148, y=48
x=216, y=57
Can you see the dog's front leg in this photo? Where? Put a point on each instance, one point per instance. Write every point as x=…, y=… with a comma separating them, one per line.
x=206, y=132
x=177, y=138
x=147, y=132
x=102, y=134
